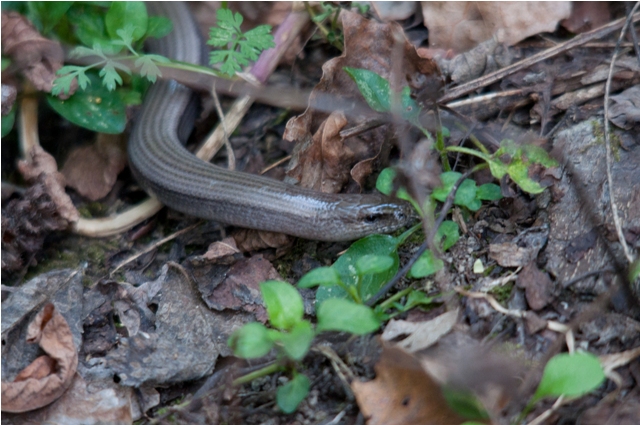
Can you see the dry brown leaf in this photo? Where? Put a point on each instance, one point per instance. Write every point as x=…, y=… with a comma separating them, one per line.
x=422, y=334
x=92, y=170
x=221, y=249
x=249, y=240
x=323, y=164
x=240, y=289
x=40, y=384
x=42, y=163
x=611, y=411
x=368, y=45
x=402, y=393
x=587, y=15
x=537, y=285
x=462, y=25
x=625, y=111
x=97, y=402
x=37, y=57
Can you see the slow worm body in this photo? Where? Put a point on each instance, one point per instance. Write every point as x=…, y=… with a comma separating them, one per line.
x=185, y=183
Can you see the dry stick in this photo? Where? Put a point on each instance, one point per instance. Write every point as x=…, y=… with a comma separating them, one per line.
x=427, y=243
x=266, y=64
x=607, y=142
x=231, y=156
x=525, y=63
x=154, y=246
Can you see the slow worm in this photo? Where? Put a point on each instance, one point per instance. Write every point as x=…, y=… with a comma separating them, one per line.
x=187, y=184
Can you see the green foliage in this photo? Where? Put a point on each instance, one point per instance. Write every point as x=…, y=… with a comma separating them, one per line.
x=112, y=38
x=283, y=303
x=241, y=47
x=426, y=265
x=465, y=403
x=292, y=393
x=468, y=195
x=251, y=341
x=571, y=375
x=337, y=314
x=7, y=121
x=96, y=108
x=377, y=93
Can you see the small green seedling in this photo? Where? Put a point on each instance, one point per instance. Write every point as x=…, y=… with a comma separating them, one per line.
x=292, y=335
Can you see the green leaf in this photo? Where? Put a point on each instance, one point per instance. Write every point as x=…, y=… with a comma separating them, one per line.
x=466, y=195
x=337, y=314
x=410, y=109
x=489, y=192
x=296, y=343
x=110, y=77
x=448, y=179
x=498, y=168
x=537, y=155
x=570, y=375
x=291, y=394
x=464, y=403
x=416, y=298
x=634, y=268
x=46, y=14
x=346, y=267
x=7, y=121
x=426, y=265
x=158, y=26
x=123, y=13
x=373, y=88
x=88, y=24
x=448, y=234
x=373, y=264
x=251, y=341
x=283, y=303
x=519, y=173
x=148, y=68
x=255, y=41
x=323, y=276
x=95, y=108
x=384, y=184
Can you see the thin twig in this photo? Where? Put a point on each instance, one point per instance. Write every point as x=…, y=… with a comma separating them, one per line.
x=155, y=245
x=275, y=164
x=607, y=142
x=231, y=156
x=539, y=57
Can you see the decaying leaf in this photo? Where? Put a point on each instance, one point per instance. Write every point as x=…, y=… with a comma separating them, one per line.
x=38, y=57
x=44, y=208
x=587, y=15
x=240, y=288
x=462, y=25
x=84, y=402
x=625, y=111
x=92, y=170
x=249, y=240
x=368, y=45
x=221, y=249
x=537, y=285
x=42, y=163
x=421, y=334
x=47, y=378
x=522, y=250
x=324, y=165
x=402, y=393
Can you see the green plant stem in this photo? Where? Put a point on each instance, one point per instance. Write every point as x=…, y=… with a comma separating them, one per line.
x=441, y=148
x=322, y=28
x=479, y=144
x=267, y=370
x=468, y=151
x=395, y=297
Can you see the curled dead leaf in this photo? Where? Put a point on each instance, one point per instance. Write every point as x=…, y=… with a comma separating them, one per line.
x=402, y=393
x=92, y=170
x=47, y=378
x=368, y=45
x=37, y=57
